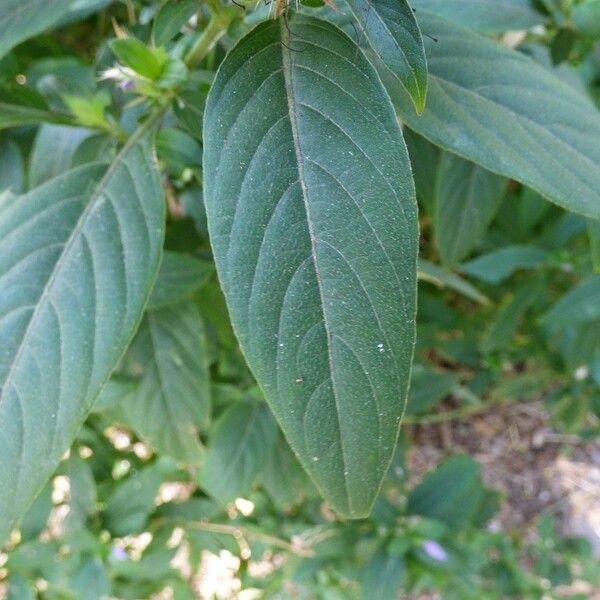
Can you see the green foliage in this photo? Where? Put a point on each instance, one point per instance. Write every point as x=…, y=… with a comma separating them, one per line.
x=210, y=250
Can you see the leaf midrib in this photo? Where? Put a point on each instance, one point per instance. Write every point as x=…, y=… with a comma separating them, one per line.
x=289, y=88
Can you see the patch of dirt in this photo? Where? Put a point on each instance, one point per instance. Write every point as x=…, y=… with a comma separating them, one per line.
x=537, y=469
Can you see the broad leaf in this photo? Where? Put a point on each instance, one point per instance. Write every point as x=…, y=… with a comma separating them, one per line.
x=392, y=32
x=312, y=217
x=78, y=257
x=240, y=444
x=467, y=199
x=491, y=16
x=172, y=401
x=484, y=103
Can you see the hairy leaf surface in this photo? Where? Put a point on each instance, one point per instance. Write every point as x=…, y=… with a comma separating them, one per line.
x=498, y=108
x=312, y=215
x=78, y=256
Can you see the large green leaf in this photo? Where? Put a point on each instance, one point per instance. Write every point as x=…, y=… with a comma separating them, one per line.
x=392, y=32
x=172, y=401
x=312, y=216
x=491, y=16
x=497, y=107
x=467, y=199
x=78, y=256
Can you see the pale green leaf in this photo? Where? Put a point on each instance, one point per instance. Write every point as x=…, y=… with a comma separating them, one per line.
x=312, y=217
x=498, y=108
x=586, y=17
x=391, y=30
x=78, y=257
x=383, y=576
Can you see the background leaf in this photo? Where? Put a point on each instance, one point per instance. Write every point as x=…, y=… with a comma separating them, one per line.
x=240, y=443
x=490, y=16
x=484, y=105
x=467, y=199
x=79, y=256
x=172, y=401
x=321, y=293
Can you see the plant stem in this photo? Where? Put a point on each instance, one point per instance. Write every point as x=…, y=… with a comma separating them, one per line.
x=210, y=36
x=238, y=532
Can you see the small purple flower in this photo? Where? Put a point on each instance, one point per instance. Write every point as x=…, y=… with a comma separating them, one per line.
x=118, y=553
x=434, y=550
x=127, y=85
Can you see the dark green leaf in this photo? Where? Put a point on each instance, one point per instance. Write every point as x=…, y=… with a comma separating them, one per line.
x=424, y=157
x=484, y=104
x=35, y=519
x=467, y=199
x=79, y=254
x=238, y=448
x=321, y=293
x=392, y=32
